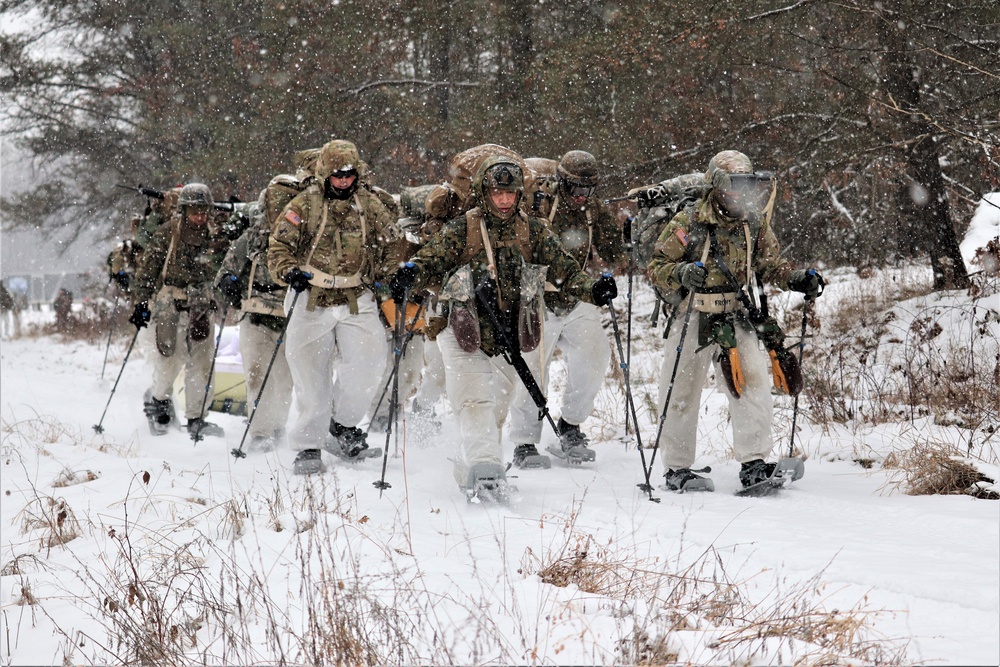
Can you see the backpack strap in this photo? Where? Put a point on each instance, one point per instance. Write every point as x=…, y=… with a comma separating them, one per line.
x=475, y=223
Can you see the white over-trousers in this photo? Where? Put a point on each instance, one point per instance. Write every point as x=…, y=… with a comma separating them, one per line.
x=750, y=413
x=432, y=381
x=585, y=348
x=257, y=345
x=480, y=390
x=411, y=364
x=195, y=357
x=323, y=341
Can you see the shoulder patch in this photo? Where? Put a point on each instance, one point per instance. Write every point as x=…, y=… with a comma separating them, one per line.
x=681, y=236
x=293, y=218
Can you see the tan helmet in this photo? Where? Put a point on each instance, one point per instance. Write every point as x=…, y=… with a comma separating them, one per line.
x=498, y=173
x=195, y=194
x=339, y=155
x=726, y=162
x=578, y=168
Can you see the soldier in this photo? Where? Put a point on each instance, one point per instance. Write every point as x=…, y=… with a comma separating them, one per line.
x=332, y=242
x=176, y=271
x=62, y=305
x=246, y=284
x=582, y=224
x=702, y=259
x=493, y=241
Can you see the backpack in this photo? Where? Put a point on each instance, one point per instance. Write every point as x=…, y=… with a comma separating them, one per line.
x=673, y=196
x=540, y=177
x=413, y=201
x=465, y=164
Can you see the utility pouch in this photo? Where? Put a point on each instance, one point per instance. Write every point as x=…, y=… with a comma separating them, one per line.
x=200, y=325
x=165, y=319
x=786, y=372
x=732, y=370
x=530, y=313
x=459, y=293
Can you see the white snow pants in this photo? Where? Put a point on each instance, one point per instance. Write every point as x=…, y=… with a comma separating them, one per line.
x=195, y=357
x=480, y=390
x=257, y=345
x=585, y=347
x=410, y=366
x=323, y=341
x=750, y=413
x=431, y=387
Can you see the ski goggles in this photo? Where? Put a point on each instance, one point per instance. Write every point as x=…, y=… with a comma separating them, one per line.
x=577, y=190
x=743, y=192
x=504, y=176
x=344, y=173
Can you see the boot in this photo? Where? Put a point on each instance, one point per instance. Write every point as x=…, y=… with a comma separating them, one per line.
x=526, y=456
x=684, y=479
x=157, y=410
x=573, y=442
x=755, y=472
x=307, y=462
x=200, y=427
x=350, y=439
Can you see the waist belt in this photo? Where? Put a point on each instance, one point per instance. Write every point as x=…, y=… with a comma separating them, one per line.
x=261, y=307
x=327, y=281
x=725, y=302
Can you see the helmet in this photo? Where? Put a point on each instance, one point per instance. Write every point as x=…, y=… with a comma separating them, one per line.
x=340, y=157
x=195, y=194
x=497, y=173
x=578, y=168
x=737, y=192
x=727, y=162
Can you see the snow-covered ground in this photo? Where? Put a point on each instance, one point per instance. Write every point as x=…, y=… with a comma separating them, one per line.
x=229, y=561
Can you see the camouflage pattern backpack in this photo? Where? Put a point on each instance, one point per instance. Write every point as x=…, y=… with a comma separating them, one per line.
x=668, y=198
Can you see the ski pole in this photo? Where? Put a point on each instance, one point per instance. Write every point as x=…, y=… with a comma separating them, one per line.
x=673, y=374
x=238, y=452
x=196, y=434
x=98, y=428
x=397, y=344
x=388, y=380
x=630, y=403
x=628, y=326
x=802, y=345
x=111, y=330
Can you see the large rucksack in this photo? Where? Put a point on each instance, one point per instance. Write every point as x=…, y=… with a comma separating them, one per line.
x=672, y=196
x=540, y=178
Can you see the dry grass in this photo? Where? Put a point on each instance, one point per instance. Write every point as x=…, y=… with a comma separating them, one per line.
x=72, y=477
x=53, y=520
x=934, y=468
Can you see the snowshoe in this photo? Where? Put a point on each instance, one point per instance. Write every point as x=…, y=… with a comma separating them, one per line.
x=349, y=443
x=573, y=443
x=260, y=444
x=527, y=457
x=765, y=479
x=488, y=483
x=198, y=428
x=683, y=480
x=159, y=413
x=308, y=462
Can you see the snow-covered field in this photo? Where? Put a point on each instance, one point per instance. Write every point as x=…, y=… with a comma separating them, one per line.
x=226, y=561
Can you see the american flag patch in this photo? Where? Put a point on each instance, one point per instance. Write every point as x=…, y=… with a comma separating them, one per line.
x=681, y=236
x=293, y=218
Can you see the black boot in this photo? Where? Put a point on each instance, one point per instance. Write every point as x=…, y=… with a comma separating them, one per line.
x=755, y=472
x=350, y=440
x=527, y=456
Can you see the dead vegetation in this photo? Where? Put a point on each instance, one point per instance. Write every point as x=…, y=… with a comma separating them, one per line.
x=934, y=468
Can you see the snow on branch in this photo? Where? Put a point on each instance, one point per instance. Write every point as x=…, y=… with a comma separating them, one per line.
x=837, y=205
x=409, y=82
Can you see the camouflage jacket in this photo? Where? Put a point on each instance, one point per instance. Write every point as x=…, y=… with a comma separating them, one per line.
x=263, y=299
x=685, y=237
x=343, y=247
x=581, y=231
x=181, y=256
x=441, y=256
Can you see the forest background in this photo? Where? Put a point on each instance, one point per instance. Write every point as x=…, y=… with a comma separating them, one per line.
x=880, y=119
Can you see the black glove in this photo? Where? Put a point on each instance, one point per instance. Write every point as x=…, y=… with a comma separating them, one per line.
x=650, y=197
x=229, y=285
x=691, y=275
x=807, y=281
x=604, y=290
x=140, y=316
x=122, y=279
x=402, y=281
x=298, y=279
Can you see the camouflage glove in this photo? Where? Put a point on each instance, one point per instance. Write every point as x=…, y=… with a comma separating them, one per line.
x=140, y=316
x=691, y=275
x=807, y=281
x=121, y=278
x=604, y=290
x=402, y=281
x=650, y=197
x=229, y=285
x=298, y=279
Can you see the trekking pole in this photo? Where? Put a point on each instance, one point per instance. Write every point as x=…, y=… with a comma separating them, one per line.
x=196, y=434
x=395, y=368
x=98, y=428
x=630, y=403
x=628, y=326
x=673, y=375
x=111, y=330
x=238, y=453
x=802, y=345
x=398, y=341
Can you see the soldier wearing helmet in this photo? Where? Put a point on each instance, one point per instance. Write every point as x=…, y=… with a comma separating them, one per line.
x=332, y=243
x=585, y=228
x=711, y=257
x=497, y=247
x=173, y=288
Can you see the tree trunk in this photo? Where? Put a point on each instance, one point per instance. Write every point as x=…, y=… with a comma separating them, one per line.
x=440, y=58
x=929, y=209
